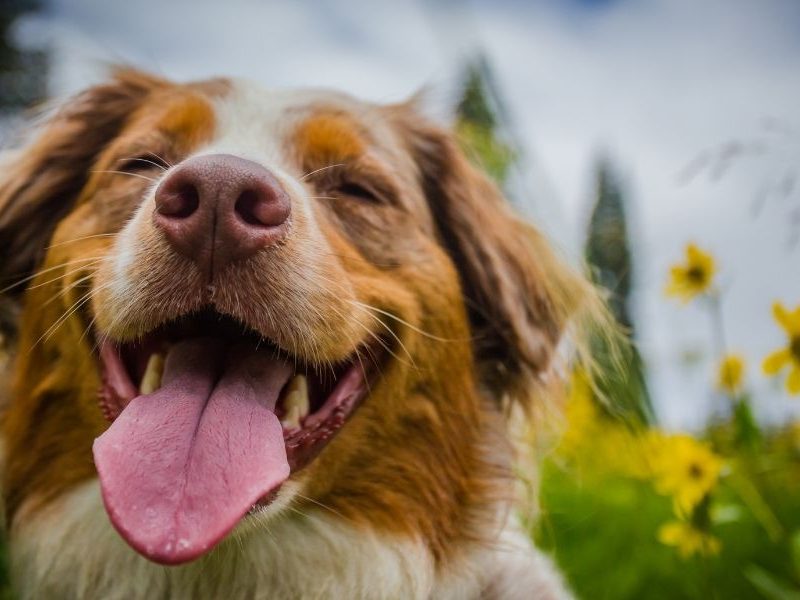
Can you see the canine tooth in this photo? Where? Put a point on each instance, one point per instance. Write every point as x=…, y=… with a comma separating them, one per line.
x=297, y=395
x=295, y=403
x=151, y=380
x=291, y=419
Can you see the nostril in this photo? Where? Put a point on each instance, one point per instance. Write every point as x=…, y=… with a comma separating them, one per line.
x=217, y=209
x=179, y=203
x=262, y=209
x=247, y=207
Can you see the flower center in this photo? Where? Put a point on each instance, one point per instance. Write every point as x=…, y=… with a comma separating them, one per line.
x=695, y=471
x=794, y=347
x=696, y=274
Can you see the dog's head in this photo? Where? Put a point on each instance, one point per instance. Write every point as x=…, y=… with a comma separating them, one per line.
x=238, y=300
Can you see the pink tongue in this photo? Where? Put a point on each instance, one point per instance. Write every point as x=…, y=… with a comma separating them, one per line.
x=181, y=466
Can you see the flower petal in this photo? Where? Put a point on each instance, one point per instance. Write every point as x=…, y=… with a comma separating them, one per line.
x=776, y=361
x=706, y=262
x=793, y=381
x=693, y=252
x=678, y=288
x=782, y=316
x=699, y=259
x=671, y=534
x=730, y=373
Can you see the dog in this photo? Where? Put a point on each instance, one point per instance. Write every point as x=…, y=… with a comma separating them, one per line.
x=272, y=344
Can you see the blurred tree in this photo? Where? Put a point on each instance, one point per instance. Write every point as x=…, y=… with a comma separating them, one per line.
x=478, y=118
x=23, y=73
x=477, y=121
x=608, y=255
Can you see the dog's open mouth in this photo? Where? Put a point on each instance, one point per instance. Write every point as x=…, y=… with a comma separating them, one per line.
x=208, y=420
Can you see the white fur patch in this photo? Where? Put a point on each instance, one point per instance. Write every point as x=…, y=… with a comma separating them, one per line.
x=72, y=551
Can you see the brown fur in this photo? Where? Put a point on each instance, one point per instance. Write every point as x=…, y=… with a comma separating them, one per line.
x=40, y=186
x=478, y=298
x=49, y=434
x=327, y=139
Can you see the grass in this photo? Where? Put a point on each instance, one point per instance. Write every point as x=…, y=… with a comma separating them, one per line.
x=602, y=530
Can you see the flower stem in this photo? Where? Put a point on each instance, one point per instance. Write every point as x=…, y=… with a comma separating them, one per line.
x=717, y=322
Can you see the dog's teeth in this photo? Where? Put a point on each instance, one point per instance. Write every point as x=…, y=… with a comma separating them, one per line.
x=291, y=419
x=151, y=380
x=295, y=403
x=297, y=395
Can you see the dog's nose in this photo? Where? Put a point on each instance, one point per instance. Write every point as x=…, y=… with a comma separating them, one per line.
x=218, y=208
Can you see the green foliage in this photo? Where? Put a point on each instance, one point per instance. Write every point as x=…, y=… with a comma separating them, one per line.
x=746, y=431
x=769, y=586
x=477, y=123
x=23, y=73
x=491, y=154
x=607, y=244
x=609, y=257
x=602, y=528
x=474, y=105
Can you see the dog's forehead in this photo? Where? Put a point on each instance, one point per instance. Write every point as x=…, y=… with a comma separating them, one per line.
x=262, y=123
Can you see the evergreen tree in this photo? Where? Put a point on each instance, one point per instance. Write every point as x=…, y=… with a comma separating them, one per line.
x=609, y=256
x=23, y=73
x=477, y=121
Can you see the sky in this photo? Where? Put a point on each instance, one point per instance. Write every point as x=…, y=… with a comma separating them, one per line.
x=662, y=87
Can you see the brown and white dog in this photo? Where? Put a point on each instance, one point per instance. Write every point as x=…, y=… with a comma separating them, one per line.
x=273, y=340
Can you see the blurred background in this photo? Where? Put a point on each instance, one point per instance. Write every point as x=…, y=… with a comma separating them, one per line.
x=655, y=140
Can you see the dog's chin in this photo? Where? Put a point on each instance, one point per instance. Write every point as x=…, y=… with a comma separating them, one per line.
x=208, y=420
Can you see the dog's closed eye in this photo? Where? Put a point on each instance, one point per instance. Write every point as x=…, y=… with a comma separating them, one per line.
x=358, y=191
x=143, y=162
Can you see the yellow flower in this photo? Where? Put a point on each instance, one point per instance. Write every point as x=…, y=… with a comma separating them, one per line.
x=685, y=469
x=688, y=539
x=730, y=376
x=789, y=355
x=594, y=445
x=581, y=412
x=692, y=278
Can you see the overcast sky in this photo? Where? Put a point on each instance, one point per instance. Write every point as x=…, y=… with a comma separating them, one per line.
x=652, y=83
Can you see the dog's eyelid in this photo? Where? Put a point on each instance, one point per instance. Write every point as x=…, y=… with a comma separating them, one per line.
x=144, y=161
x=355, y=189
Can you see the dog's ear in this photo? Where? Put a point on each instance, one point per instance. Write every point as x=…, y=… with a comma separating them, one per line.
x=520, y=295
x=40, y=181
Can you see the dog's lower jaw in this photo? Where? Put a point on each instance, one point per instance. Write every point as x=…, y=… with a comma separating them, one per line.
x=70, y=550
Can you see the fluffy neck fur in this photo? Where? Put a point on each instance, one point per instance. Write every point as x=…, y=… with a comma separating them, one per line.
x=71, y=551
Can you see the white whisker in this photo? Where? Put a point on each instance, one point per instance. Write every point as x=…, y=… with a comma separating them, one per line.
x=404, y=322
x=139, y=175
x=144, y=160
x=310, y=173
x=89, y=265
x=47, y=270
x=86, y=237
